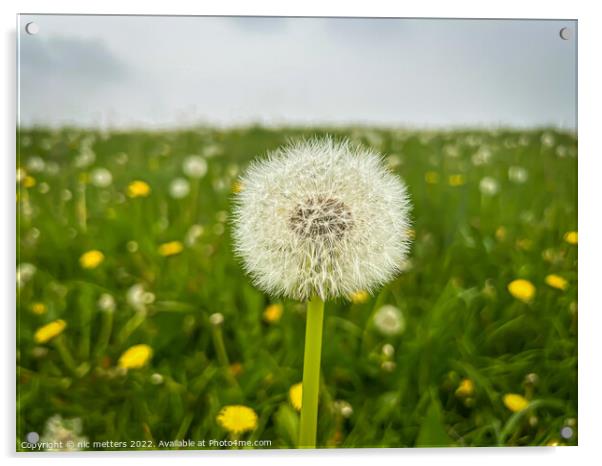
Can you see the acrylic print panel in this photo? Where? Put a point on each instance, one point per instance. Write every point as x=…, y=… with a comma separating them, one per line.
x=295, y=232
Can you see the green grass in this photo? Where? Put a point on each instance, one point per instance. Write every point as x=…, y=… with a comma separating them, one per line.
x=461, y=321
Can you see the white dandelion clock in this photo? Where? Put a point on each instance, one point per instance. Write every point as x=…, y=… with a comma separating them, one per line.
x=321, y=218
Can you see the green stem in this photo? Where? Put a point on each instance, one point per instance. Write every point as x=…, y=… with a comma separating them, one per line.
x=106, y=331
x=311, y=373
x=59, y=344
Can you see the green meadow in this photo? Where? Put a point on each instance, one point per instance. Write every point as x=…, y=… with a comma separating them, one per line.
x=124, y=240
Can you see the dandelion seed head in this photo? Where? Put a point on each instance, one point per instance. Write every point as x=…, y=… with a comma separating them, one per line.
x=321, y=217
x=489, y=186
x=518, y=174
x=25, y=272
x=63, y=434
x=194, y=166
x=179, y=188
x=101, y=177
x=389, y=320
x=106, y=302
x=216, y=319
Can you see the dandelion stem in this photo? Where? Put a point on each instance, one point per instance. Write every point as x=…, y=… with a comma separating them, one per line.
x=59, y=344
x=311, y=373
x=106, y=331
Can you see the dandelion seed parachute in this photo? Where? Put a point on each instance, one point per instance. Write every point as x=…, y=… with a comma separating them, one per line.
x=321, y=217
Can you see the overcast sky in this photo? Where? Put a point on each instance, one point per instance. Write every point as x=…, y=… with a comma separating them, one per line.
x=132, y=71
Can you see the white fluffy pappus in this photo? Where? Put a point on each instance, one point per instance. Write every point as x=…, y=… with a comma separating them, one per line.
x=321, y=217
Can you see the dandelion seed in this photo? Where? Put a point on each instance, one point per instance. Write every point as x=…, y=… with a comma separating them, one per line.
x=489, y=186
x=456, y=180
x=515, y=402
x=295, y=395
x=179, y=188
x=359, y=297
x=43, y=188
x=156, y=379
x=39, y=308
x=194, y=166
x=237, y=419
x=91, y=259
x=49, y=331
x=571, y=237
x=518, y=175
x=556, y=281
x=523, y=290
x=132, y=246
x=171, y=248
x=135, y=357
x=321, y=217
x=389, y=320
x=465, y=389
x=101, y=177
x=138, y=188
x=63, y=434
x=273, y=313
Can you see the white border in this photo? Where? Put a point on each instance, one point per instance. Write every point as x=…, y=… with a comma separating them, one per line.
x=590, y=154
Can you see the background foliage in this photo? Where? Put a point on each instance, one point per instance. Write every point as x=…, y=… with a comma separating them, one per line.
x=472, y=238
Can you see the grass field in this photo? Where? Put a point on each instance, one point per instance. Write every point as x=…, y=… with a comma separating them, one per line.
x=489, y=208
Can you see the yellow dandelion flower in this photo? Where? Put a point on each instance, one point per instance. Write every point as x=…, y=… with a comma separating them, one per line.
x=571, y=237
x=237, y=419
x=456, y=180
x=295, y=394
x=556, y=281
x=28, y=182
x=359, y=297
x=500, y=233
x=431, y=177
x=47, y=332
x=38, y=308
x=515, y=402
x=553, y=443
x=525, y=244
x=523, y=290
x=91, y=259
x=466, y=388
x=273, y=313
x=237, y=186
x=135, y=357
x=171, y=249
x=138, y=188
